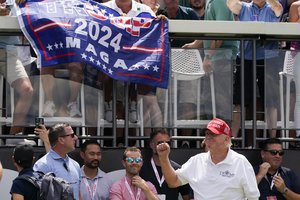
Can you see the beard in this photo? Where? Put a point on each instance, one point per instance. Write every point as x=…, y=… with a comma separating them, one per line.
x=133, y=170
x=134, y=173
x=93, y=164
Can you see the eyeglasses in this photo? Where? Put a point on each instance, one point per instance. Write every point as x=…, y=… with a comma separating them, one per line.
x=160, y=142
x=136, y=160
x=72, y=135
x=275, y=152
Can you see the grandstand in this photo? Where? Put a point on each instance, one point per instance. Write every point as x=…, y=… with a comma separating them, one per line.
x=93, y=125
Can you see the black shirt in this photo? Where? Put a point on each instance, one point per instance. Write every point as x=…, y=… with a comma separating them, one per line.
x=147, y=173
x=24, y=187
x=291, y=181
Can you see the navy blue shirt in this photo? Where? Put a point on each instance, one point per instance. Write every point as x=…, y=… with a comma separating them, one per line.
x=291, y=181
x=24, y=187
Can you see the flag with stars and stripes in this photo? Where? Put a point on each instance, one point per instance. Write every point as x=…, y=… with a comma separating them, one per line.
x=134, y=49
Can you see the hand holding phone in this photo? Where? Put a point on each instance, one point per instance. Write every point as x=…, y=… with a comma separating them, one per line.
x=38, y=122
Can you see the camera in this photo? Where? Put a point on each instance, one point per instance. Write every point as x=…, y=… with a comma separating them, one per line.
x=38, y=122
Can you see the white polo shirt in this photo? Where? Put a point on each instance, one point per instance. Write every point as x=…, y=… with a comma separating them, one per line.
x=136, y=9
x=231, y=179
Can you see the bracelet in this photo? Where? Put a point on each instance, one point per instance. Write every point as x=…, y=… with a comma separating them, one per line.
x=284, y=191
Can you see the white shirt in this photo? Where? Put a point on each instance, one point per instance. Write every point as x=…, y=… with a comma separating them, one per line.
x=233, y=178
x=136, y=9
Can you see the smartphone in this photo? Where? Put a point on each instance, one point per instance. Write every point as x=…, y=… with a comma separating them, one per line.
x=38, y=122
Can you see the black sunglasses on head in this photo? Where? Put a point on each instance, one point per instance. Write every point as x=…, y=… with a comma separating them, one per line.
x=275, y=152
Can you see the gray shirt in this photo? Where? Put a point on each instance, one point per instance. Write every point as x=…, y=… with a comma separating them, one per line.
x=96, y=188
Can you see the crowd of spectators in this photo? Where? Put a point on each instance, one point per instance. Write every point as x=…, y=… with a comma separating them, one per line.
x=217, y=172
x=221, y=57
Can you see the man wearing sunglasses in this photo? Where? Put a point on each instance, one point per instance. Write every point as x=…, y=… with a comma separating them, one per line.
x=275, y=181
x=151, y=170
x=132, y=186
x=62, y=140
x=220, y=173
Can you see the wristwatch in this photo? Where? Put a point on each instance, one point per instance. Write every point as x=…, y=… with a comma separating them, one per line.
x=284, y=191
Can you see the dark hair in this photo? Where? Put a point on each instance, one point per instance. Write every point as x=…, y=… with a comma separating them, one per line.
x=56, y=131
x=133, y=149
x=267, y=142
x=156, y=132
x=24, y=155
x=88, y=142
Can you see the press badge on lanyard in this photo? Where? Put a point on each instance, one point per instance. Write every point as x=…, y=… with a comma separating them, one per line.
x=159, y=180
x=91, y=188
x=271, y=187
x=138, y=195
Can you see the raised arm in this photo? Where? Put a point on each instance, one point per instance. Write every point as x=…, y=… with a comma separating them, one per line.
x=169, y=173
x=294, y=14
x=235, y=6
x=263, y=170
x=276, y=7
x=42, y=132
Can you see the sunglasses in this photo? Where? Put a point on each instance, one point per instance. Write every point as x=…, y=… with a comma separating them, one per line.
x=136, y=160
x=275, y=152
x=72, y=135
x=160, y=142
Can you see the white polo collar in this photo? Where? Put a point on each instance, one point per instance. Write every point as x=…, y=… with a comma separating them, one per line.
x=134, y=7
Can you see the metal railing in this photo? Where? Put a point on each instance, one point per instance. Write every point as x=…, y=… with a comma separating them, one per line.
x=241, y=31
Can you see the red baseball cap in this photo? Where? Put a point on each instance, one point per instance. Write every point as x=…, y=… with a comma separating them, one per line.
x=218, y=126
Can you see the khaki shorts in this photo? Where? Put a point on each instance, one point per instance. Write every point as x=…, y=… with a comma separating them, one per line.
x=10, y=66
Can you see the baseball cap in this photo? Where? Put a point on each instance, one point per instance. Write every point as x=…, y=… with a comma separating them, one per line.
x=23, y=154
x=218, y=126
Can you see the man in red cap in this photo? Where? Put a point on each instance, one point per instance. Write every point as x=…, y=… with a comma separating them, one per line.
x=220, y=173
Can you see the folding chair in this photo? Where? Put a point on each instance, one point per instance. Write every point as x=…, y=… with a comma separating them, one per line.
x=187, y=65
x=288, y=72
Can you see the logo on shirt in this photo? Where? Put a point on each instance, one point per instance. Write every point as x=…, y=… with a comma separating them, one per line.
x=226, y=174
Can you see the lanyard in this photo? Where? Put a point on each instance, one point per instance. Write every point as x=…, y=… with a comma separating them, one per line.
x=91, y=188
x=272, y=181
x=130, y=191
x=160, y=181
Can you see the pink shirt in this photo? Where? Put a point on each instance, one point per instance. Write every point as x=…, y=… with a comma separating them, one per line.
x=119, y=191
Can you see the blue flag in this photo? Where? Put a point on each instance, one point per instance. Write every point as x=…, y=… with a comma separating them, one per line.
x=134, y=49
